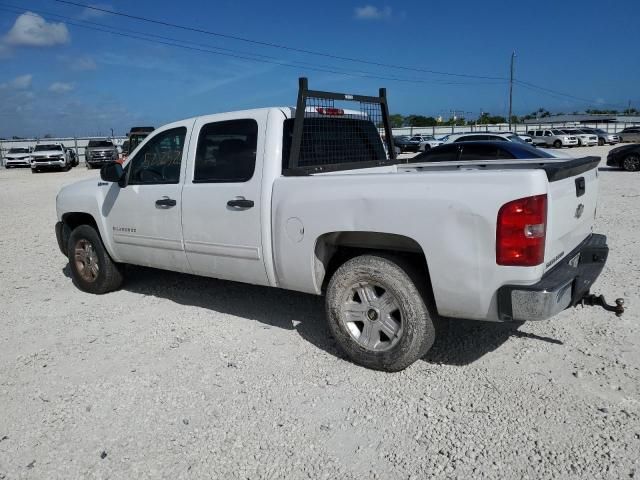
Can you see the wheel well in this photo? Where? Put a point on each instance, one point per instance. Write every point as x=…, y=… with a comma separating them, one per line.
x=75, y=219
x=335, y=248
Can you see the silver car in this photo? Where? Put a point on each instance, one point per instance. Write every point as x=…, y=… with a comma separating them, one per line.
x=630, y=134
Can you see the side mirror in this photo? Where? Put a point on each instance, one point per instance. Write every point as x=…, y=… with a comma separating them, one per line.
x=113, y=172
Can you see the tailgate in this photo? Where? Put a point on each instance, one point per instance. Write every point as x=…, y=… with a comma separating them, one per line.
x=572, y=198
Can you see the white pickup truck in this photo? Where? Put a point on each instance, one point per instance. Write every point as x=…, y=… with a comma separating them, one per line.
x=311, y=202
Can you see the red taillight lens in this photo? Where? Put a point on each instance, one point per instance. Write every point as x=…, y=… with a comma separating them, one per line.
x=329, y=111
x=521, y=232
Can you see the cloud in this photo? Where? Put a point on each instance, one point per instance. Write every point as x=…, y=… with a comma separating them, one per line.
x=22, y=82
x=89, y=13
x=60, y=87
x=31, y=30
x=371, y=12
x=85, y=63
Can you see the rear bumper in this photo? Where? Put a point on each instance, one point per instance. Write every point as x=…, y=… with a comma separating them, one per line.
x=560, y=288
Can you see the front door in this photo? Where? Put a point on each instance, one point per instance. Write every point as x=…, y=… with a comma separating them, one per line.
x=221, y=199
x=144, y=218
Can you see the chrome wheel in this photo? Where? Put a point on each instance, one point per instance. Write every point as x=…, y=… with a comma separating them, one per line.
x=86, y=260
x=372, y=316
x=631, y=163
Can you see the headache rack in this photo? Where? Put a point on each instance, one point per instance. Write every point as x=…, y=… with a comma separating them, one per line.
x=337, y=131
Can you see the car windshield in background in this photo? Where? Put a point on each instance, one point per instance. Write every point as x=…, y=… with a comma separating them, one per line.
x=19, y=150
x=516, y=138
x=44, y=148
x=100, y=143
x=558, y=132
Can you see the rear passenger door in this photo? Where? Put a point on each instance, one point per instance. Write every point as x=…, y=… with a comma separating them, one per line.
x=221, y=216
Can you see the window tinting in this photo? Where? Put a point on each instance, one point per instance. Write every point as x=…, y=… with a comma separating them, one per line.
x=479, y=152
x=327, y=141
x=159, y=160
x=226, y=152
x=100, y=143
x=446, y=153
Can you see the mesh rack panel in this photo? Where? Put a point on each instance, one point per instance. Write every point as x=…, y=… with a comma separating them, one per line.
x=337, y=131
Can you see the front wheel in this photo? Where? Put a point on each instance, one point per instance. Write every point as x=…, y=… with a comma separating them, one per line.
x=377, y=312
x=557, y=144
x=92, y=269
x=631, y=163
x=601, y=141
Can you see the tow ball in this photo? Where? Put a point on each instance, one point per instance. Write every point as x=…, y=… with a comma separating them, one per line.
x=591, y=300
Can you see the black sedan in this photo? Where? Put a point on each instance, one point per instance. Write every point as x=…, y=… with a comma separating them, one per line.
x=480, y=150
x=626, y=157
x=406, y=144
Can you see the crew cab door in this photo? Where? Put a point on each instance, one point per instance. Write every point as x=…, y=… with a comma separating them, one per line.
x=144, y=218
x=221, y=204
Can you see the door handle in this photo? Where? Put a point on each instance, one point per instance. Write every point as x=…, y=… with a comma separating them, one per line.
x=166, y=202
x=240, y=203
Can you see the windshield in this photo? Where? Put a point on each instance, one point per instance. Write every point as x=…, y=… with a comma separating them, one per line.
x=44, y=148
x=136, y=139
x=100, y=143
x=19, y=150
x=557, y=132
x=600, y=131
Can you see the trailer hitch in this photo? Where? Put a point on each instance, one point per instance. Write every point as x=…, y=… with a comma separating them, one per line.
x=591, y=300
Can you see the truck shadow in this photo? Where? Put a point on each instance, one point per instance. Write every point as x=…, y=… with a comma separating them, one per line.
x=459, y=342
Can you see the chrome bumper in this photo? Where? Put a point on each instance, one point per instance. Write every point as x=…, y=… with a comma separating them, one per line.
x=562, y=287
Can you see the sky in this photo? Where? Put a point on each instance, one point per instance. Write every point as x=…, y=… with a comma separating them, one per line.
x=63, y=72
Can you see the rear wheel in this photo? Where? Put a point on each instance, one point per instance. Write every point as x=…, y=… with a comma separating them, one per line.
x=557, y=144
x=631, y=163
x=92, y=269
x=377, y=312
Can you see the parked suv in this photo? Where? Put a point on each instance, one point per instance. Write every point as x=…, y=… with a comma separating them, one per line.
x=630, y=134
x=553, y=138
x=603, y=137
x=99, y=152
x=584, y=139
x=48, y=156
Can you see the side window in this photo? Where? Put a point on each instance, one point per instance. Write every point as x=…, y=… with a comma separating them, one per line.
x=538, y=133
x=446, y=153
x=159, y=160
x=497, y=138
x=471, y=138
x=479, y=152
x=226, y=152
x=502, y=153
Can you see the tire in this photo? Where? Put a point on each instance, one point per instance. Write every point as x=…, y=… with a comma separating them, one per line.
x=373, y=288
x=92, y=269
x=631, y=163
x=427, y=147
x=580, y=143
x=35, y=170
x=600, y=141
x=557, y=144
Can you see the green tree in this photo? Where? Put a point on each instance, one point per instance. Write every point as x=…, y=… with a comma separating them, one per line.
x=396, y=120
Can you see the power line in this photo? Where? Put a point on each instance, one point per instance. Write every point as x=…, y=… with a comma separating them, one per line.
x=560, y=95
x=274, y=45
x=168, y=41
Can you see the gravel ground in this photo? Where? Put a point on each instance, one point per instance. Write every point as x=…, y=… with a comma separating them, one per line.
x=177, y=376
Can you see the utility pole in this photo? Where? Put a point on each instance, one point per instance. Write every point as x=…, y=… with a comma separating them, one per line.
x=112, y=133
x=513, y=56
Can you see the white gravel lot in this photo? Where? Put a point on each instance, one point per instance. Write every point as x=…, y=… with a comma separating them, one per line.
x=177, y=376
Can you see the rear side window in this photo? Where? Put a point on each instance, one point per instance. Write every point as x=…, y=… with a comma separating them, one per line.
x=445, y=153
x=327, y=141
x=226, y=152
x=472, y=138
x=479, y=152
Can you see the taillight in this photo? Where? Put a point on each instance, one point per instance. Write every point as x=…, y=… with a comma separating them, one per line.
x=521, y=232
x=329, y=111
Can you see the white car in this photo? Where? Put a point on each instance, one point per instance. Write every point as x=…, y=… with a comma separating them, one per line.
x=584, y=139
x=17, y=157
x=306, y=207
x=427, y=142
x=50, y=156
x=525, y=138
x=483, y=136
